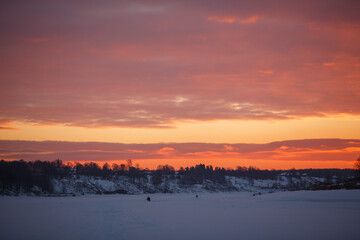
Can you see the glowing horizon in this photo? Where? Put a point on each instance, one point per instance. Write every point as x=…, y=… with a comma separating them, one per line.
x=307, y=153
x=232, y=131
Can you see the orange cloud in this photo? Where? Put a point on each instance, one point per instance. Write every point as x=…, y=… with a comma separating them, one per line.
x=252, y=19
x=166, y=151
x=7, y=126
x=222, y=19
x=228, y=148
x=283, y=147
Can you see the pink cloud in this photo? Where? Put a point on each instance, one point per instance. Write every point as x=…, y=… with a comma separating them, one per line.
x=128, y=62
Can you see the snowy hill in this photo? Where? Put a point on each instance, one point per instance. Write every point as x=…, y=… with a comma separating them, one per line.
x=80, y=185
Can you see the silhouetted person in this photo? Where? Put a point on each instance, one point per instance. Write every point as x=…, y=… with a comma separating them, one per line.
x=197, y=196
x=148, y=199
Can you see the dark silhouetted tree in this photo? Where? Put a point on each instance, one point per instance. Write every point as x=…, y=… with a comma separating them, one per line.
x=357, y=168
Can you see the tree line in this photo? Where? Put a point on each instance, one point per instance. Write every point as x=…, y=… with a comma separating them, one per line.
x=25, y=175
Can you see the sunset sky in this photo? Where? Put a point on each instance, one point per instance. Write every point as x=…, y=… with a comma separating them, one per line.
x=271, y=84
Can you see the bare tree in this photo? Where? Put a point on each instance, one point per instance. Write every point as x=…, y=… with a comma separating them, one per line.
x=129, y=164
x=357, y=167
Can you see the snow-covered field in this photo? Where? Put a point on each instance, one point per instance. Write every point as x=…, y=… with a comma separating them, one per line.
x=284, y=215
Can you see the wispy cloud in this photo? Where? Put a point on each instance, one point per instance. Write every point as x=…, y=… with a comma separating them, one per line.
x=222, y=19
x=6, y=125
x=252, y=19
x=7, y=128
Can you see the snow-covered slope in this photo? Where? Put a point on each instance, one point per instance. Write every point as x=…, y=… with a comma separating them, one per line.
x=80, y=185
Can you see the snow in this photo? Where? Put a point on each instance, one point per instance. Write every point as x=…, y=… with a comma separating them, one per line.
x=283, y=215
x=80, y=185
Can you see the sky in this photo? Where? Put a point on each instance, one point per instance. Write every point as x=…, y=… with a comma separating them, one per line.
x=271, y=84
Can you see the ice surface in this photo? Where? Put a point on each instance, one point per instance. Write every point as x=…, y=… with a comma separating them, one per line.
x=284, y=215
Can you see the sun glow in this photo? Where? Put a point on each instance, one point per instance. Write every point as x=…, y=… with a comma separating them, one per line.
x=232, y=131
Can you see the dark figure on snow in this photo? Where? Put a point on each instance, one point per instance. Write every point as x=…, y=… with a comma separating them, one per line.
x=148, y=199
x=197, y=196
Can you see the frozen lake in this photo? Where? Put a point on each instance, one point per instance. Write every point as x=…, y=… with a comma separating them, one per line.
x=284, y=215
